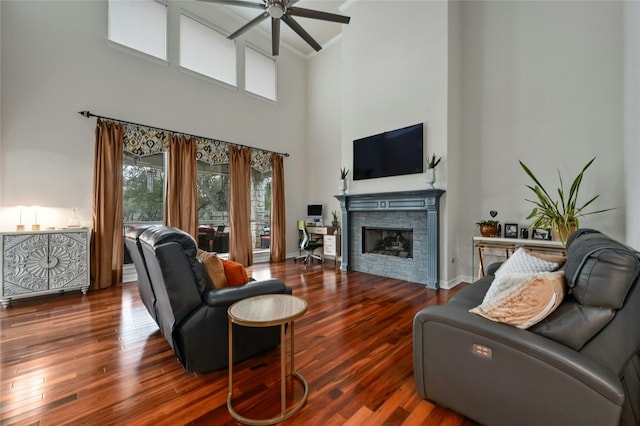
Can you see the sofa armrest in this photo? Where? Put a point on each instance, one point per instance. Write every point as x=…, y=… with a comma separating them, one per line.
x=498, y=374
x=225, y=297
x=491, y=269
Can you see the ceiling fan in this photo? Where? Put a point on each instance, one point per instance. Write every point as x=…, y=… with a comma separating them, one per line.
x=282, y=10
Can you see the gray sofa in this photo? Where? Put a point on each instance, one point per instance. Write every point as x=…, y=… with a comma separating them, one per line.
x=191, y=314
x=578, y=366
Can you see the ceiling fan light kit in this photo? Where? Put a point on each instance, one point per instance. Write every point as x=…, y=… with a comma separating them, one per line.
x=283, y=10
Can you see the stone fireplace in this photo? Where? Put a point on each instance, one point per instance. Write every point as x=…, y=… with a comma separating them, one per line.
x=392, y=234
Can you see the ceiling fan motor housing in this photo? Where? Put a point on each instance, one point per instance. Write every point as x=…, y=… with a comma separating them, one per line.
x=276, y=9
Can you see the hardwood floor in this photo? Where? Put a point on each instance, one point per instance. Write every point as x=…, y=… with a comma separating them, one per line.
x=100, y=359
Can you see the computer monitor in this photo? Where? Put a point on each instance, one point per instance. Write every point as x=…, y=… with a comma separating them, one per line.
x=314, y=212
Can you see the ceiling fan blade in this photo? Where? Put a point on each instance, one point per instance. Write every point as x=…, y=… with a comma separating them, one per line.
x=238, y=3
x=255, y=21
x=301, y=32
x=275, y=36
x=316, y=14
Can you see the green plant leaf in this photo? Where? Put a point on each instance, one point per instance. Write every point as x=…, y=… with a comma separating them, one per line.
x=563, y=210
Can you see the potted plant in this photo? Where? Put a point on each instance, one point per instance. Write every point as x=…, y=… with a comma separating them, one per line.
x=335, y=221
x=562, y=214
x=488, y=228
x=342, y=183
x=431, y=169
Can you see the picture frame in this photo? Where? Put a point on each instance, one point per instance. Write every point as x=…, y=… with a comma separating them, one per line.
x=511, y=230
x=541, y=234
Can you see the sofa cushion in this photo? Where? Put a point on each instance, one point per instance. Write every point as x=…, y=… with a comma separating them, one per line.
x=522, y=263
x=573, y=324
x=214, y=268
x=524, y=302
x=222, y=272
x=236, y=273
x=600, y=272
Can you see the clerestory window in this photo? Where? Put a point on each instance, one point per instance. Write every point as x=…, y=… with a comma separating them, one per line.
x=139, y=25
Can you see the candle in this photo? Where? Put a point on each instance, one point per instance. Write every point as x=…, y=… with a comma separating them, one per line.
x=20, y=226
x=35, y=214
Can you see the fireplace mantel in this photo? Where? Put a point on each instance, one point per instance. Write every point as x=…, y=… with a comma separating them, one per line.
x=426, y=200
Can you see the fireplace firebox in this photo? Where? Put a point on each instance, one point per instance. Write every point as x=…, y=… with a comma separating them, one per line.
x=388, y=241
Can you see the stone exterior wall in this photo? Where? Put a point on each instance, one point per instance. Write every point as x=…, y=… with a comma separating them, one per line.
x=260, y=217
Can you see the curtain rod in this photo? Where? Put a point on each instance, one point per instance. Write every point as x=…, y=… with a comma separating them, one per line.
x=89, y=114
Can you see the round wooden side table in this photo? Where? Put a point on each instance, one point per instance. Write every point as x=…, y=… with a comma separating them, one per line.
x=266, y=311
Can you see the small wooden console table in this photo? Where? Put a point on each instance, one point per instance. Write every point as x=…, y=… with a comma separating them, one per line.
x=265, y=311
x=509, y=245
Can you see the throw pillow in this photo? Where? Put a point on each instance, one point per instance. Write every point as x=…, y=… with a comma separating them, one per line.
x=235, y=273
x=523, y=263
x=526, y=302
x=215, y=269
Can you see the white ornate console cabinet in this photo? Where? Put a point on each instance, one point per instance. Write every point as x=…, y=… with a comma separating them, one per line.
x=43, y=262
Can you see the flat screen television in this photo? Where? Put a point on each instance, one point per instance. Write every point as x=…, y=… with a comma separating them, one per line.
x=314, y=212
x=394, y=153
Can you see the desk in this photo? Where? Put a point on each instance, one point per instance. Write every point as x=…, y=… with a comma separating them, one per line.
x=509, y=245
x=330, y=240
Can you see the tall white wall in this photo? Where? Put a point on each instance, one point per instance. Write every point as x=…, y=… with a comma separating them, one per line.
x=56, y=61
x=394, y=68
x=541, y=83
x=324, y=126
x=631, y=122
x=544, y=88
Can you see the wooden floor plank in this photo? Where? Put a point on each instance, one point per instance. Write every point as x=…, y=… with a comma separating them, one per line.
x=100, y=359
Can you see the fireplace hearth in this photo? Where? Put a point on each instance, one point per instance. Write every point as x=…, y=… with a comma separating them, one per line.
x=392, y=234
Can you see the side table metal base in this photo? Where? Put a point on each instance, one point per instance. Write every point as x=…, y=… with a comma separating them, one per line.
x=272, y=420
x=265, y=318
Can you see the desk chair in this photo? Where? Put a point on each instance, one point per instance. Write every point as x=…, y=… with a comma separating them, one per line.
x=307, y=246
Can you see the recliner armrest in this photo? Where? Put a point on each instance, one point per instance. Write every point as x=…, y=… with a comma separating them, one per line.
x=528, y=343
x=461, y=357
x=229, y=295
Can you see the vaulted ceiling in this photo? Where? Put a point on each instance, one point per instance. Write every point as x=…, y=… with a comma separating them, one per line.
x=322, y=31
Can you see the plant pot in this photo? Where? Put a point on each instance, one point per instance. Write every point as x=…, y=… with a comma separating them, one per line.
x=342, y=186
x=488, y=230
x=431, y=178
x=563, y=231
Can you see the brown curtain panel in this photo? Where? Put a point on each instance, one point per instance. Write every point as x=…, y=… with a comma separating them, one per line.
x=181, y=207
x=278, y=222
x=240, y=246
x=107, y=235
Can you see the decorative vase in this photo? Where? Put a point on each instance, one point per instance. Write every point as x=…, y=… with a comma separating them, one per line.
x=431, y=178
x=342, y=186
x=488, y=230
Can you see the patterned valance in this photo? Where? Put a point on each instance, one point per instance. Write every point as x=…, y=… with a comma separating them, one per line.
x=143, y=141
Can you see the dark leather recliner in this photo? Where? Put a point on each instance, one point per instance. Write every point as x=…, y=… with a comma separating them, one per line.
x=191, y=314
x=578, y=366
x=147, y=295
